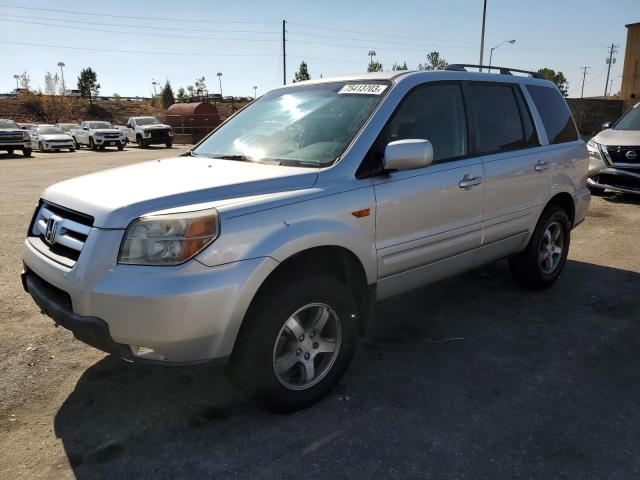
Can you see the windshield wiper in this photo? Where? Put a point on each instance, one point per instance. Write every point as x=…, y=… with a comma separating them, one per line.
x=240, y=158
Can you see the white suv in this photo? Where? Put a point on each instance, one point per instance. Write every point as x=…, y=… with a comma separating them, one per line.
x=268, y=243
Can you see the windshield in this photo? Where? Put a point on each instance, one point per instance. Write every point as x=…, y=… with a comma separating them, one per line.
x=68, y=126
x=50, y=131
x=147, y=121
x=8, y=124
x=308, y=125
x=94, y=125
x=630, y=121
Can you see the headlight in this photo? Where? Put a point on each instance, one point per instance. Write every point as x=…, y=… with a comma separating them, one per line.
x=146, y=133
x=168, y=239
x=594, y=149
x=25, y=135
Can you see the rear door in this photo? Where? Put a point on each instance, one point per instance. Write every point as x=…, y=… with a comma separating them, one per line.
x=517, y=176
x=428, y=223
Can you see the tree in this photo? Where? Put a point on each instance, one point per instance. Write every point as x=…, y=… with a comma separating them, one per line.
x=116, y=96
x=51, y=83
x=558, y=78
x=181, y=97
x=397, y=66
x=302, y=74
x=88, y=84
x=434, y=62
x=166, y=95
x=25, y=81
x=374, y=66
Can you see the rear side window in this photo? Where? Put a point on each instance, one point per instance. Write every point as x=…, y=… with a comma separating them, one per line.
x=500, y=125
x=554, y=113
x=435, y=113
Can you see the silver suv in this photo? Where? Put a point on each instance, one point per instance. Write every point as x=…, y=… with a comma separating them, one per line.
x=267, y=244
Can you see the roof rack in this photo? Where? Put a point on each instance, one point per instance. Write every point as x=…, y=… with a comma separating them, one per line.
x=461, y=67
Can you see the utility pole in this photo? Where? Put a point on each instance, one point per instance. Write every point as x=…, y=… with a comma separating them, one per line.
x=61, y=65
x=613, y=49
x=484, y=18
x=219, y=75
x=284, y=53
x=584, y=74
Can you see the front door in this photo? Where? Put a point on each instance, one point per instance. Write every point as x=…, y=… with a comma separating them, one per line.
x=429, y=220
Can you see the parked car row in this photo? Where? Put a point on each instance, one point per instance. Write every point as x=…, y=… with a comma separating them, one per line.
x=96, y=135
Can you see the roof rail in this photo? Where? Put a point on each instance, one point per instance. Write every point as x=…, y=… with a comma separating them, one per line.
x=461, y=67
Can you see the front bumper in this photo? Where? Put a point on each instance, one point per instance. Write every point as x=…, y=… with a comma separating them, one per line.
x=108, y=142
x=58, y=146
x=25, y=145
x=616, y=179
x=183, y=314
x=157, y=140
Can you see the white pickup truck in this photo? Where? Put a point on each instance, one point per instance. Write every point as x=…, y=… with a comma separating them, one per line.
x=147, y=131
x=97, y=135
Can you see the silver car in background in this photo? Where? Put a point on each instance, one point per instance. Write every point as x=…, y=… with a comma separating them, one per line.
x=267, y=244
x=614, y=156
x=47, y=138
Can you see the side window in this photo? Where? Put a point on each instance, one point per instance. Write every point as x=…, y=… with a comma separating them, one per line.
x=555, y=114
x=499, y=125
x=435, y=113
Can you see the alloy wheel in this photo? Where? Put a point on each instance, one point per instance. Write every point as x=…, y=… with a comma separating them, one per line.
x=551, y=247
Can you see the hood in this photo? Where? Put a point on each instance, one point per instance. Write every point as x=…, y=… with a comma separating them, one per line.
x=55, y=136
x=623, y=138
x=115, y=197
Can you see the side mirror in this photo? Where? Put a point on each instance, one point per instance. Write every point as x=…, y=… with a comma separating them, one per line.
x=408, y=154
x=85, y=128
x=606, y=125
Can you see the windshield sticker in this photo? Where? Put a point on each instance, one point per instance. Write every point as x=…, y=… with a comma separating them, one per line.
x=363, y=89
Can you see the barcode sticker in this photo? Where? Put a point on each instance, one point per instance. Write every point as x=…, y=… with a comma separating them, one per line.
x=363, y=89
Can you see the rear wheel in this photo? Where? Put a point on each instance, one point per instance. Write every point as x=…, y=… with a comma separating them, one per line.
x=26, y=152
x=541, y=263
x=296, y=342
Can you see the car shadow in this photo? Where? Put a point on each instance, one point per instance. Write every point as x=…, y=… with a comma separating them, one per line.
x=469, y=377
x=616, y=197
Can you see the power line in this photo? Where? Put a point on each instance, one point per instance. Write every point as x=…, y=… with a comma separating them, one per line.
x=143, y=34
x=423, y=50
x=148, y=27
x=141, y=52
x=188, y=20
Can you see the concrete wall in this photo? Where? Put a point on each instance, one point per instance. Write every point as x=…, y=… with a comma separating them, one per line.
x=591, y=113
x=630, y=88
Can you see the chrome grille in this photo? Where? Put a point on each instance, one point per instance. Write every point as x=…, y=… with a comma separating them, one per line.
x=619, y=156
x=60, y=233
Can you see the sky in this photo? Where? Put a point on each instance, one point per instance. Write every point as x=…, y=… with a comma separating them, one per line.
x=130, y=44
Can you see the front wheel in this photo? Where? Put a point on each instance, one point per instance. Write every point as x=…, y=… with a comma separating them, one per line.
x=141, y=142
x=169, y=145
x=541, y=263
x=296, y=342
x=26, y=152
x=10, y=151
x=120, y=146
x=92, y=144
x=40, y=147
x=75, y=142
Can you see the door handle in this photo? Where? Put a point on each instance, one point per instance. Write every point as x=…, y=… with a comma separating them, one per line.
x=468, y=182
x=542, y=166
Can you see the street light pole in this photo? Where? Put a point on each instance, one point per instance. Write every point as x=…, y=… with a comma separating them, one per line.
x=255, y=92
x=493, y=48
x=17, y=77
x=154, y=83
x=484, y=18
x=219, y=74
x=61, y=64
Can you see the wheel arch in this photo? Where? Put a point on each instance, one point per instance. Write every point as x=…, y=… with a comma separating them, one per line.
x=566, y=201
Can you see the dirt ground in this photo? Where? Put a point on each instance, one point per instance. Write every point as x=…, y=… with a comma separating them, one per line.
x=467, y=378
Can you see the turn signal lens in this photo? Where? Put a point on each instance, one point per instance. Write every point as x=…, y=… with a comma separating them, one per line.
x=168, y=239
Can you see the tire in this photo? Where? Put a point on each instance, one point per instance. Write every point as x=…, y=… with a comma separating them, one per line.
x=596, y=191
x=26, y=152
x=140, y=142
x=169, y=145
x=10, y=151
x=120, y=146
x=40, y=147
x=541, y=264
x=265, y=336
x=92, y=144
x=72, y=149
x=75, y=142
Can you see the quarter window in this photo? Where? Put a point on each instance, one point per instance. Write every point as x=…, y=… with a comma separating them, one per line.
x=435, y=113
x=499, y=123
x=554, y=113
